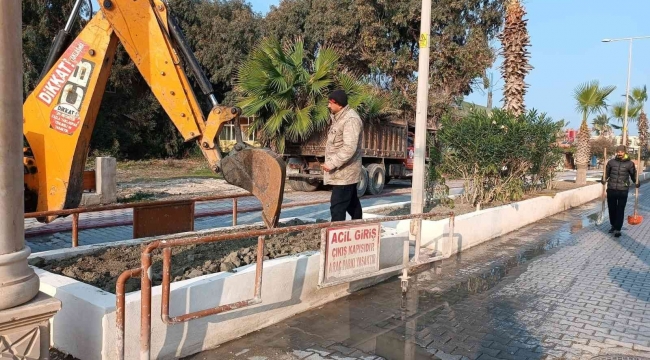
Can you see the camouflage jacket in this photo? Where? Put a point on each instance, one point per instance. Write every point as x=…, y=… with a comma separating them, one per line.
x=343, y=149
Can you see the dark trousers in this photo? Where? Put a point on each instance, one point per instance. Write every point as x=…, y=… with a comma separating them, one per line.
x=616, y=200
x=344, y=199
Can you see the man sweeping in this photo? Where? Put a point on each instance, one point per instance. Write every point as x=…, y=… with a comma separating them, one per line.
x=618, y=173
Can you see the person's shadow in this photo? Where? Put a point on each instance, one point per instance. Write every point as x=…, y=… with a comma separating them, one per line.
x=632, y=280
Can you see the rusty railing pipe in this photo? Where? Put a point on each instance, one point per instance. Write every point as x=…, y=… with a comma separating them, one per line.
x=234, y=212
x=166, y=284
x=145, y=306
x=258, y=268
x=120, y=307
x=166, y=289
x=131, y=205
x=75, y=230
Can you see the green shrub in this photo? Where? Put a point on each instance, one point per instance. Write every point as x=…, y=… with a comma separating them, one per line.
x=499, y=156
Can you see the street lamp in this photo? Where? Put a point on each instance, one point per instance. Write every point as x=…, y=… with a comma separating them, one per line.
x=629, y=70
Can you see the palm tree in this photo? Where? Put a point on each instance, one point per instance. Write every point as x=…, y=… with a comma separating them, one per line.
x=633, y=113
x=602, y=126
x=515, y=41
x=640, y=95
x=286, y=91
x=590, y=98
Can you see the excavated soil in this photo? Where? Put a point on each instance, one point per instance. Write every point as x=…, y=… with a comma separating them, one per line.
x=102, y=268
x=459, y=209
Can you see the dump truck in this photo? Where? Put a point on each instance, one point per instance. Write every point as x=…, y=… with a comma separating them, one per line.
x=387, y=153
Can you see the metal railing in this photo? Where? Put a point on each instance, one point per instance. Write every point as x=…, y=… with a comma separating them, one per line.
x=235, y=209
x=144, y=272
x=77, y=211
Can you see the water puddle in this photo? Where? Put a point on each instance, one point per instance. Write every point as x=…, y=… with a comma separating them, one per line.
x=425, y=304
x=585, y=221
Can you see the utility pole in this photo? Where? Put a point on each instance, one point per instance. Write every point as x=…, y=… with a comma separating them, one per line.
x=629, y=72
x=18, y=282
x=627, y=93
x=417, y=191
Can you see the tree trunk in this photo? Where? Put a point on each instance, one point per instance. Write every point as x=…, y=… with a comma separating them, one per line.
x=489, y=100
x=581, y=175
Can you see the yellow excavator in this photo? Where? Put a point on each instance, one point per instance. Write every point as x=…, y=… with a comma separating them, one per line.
x=59, y=115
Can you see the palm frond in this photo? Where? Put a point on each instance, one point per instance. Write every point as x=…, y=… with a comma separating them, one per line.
x=274, y=124
x=286, y=90
x=640, y=94
x=591, y=98
x=301, y=126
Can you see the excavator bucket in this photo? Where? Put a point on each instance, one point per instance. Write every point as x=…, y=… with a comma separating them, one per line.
x=262, y=173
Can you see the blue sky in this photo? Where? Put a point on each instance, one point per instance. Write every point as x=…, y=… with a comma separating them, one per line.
x=567, y=50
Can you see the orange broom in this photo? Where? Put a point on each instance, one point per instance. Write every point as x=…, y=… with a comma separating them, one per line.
x=636, y=219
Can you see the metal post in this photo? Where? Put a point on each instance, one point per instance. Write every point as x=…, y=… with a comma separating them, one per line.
x=417, y=192
x=145, y=306
x=234, y=212
x=259, y=267
x=18, y=282
x=627, y=94
x=75, y=230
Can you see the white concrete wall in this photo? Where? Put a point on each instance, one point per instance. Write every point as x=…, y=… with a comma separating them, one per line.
x=77, y=328
x=477, y=227
x=85, y=326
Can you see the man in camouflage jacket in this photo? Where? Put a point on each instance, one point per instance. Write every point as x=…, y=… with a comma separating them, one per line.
x=342, y=168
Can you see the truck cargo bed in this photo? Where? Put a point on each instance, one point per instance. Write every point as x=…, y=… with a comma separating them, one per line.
x=388, y=140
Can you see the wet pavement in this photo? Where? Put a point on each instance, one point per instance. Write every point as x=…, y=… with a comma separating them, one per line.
x=561, y=288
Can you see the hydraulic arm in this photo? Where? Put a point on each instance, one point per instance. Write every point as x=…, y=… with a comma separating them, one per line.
x=59, y=115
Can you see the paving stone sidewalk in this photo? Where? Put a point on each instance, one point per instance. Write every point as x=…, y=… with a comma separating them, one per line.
x=561, y=288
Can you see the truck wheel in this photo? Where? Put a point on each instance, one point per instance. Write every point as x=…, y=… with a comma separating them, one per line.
x=295, y=185
x=310, y=185
x=303, y=185
x=376, y=179
x=362, y=186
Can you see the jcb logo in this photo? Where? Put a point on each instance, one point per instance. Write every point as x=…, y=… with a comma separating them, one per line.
x=65, y=116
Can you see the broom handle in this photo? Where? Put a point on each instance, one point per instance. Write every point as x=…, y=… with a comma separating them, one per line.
x=636, y=189
x=604, y=169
